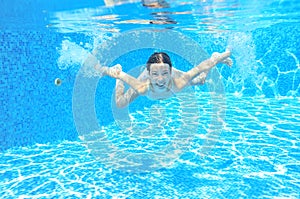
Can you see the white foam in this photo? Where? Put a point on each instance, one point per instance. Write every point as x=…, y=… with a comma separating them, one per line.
x=244, y=51
x=71, y=55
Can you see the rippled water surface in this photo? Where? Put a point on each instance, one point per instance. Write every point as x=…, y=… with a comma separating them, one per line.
x=194, y=16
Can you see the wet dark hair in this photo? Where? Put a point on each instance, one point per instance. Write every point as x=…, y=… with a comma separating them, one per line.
x=158, y=58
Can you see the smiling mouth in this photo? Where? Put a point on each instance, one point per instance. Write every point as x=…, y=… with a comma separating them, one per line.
x=160, y=86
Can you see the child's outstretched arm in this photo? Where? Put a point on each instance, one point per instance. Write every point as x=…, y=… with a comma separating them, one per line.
x=117, y=73
x=122, y=98
x=204, y=66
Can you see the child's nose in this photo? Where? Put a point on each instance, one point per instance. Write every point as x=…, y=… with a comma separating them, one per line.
x=160, y=77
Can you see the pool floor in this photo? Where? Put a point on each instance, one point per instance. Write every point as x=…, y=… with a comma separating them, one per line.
x=256, y=156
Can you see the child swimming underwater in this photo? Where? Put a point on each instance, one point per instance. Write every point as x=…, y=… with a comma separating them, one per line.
x=160, y=80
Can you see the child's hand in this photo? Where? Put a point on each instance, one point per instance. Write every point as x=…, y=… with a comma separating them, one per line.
x=202, y=77
x=222, y=58
x=228, y=61
x=114, y=71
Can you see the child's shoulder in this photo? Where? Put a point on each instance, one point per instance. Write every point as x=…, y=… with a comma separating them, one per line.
x=176, y=73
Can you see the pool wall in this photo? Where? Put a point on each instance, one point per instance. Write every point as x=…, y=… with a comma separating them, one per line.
x=35, y=110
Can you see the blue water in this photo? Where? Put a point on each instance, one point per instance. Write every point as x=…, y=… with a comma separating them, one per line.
x=237, y=136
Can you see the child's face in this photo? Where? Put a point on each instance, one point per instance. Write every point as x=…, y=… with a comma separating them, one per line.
x=160, y=76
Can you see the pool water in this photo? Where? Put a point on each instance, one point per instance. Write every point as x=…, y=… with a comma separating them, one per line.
x=237, y=138
x=257, y=155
